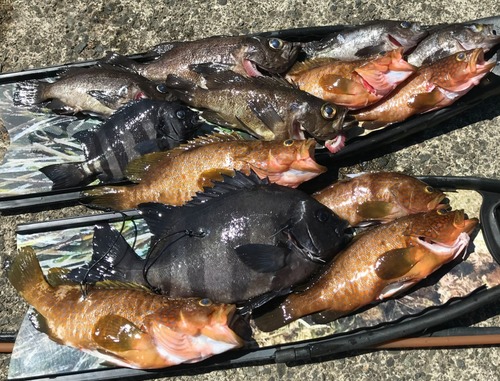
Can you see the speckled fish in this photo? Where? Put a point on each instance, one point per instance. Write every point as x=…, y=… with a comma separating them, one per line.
x=381, y=196
x=241, y=54
x=378, y=264
x=353, y=84
x=268, y=108
x=243, y=239
x=367, y=40
x=136, y=129
x=122, y=323
x=433, y=87
x=96, y=90
x=173, y=177
x=446, y=40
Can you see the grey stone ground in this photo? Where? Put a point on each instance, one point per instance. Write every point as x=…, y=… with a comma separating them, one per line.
x=43, y=33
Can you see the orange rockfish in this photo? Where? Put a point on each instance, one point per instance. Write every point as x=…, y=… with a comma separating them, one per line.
x=123, y=323
x=379, y=263
x=434, y=86
x=173, y=177
x=353, y=84
x=382, y=196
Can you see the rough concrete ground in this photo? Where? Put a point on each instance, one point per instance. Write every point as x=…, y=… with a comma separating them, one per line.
x=37, y=34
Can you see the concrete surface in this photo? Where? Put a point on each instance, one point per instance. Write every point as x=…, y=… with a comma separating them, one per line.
x=43, y=33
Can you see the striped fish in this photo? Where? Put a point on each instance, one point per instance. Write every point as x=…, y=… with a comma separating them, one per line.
x=138, y=128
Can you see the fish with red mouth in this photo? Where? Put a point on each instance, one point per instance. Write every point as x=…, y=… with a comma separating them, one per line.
x=433, y=87
x=378, y=264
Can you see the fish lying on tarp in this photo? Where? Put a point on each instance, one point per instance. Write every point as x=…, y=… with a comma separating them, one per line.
x=124, y=324
x=380, y=196
x=136, y=129
x=378, y=264
x=268, y=108
x=367, y=40
x=242, y=240
x=241, y=54
x=433, y=87
x=445, y=40
x=173, y=177
x=96, y=90
x=353, y=84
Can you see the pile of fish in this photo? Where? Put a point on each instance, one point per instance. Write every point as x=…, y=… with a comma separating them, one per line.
x=231, y=234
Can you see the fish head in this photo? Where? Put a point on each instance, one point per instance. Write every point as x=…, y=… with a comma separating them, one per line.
x=289, y=162
x=177, y=121
x=404, y=34
x=270, y=54
x=461, y=71
x=476, y=35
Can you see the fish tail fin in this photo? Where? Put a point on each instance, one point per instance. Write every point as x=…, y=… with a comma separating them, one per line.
x=28, y=93
x=67, y=175
x=107, y=198
x=182, y=88
x=24, y=271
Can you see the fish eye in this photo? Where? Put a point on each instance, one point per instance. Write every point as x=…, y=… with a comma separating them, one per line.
x=162, y=88
x=276, y=43
x=405, y=24
x=328, y=111
x=322, y=215
x=461, y=56
x=429, y=189
x=288, y=143
x=181, y=114
x=205, y=302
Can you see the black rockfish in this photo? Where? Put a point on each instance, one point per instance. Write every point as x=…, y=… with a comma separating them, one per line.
x=241, y=240
x=96, y=90
x=367, y=40
x=268, y=108
x=136, y=129
x=446, y=40
x=242, y=54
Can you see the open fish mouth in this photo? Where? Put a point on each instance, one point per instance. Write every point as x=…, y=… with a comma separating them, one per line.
x=308, y=253
x=445, y=250
x=251, y=68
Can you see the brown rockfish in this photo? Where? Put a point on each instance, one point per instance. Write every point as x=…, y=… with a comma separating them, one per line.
x=123, y=323
x=353, y=84
x=378, y=264
x=173, y=177
x=382, y=196
x=433, y=87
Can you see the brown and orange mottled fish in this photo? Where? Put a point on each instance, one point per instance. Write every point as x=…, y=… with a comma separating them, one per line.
x=382, y=196
x=138, y=329
x=173, y=177
x=378, y=264
x=434, y=86
x=353, y=84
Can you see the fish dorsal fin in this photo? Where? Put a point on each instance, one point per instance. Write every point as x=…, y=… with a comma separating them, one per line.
x=119, y=285
x=312, y=63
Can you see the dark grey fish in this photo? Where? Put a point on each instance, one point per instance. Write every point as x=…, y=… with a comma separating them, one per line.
x=96, y=90
x=367, y=40
x=241, y=240
x=447, y=40
x=136, y=129
x=242, y=54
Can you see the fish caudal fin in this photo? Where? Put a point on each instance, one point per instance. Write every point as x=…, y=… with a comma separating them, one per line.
x=28, y=93
x=24, y=271
x=67, y=175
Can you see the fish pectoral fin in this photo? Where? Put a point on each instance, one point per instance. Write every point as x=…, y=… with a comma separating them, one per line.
x=216, y=118
x=41, y=324
x=207, y=178
x=396, y=263
x=336, y=84
x=262, y=258
x=118, y=334
x=426, y=101
x=265, y=112
x=370, y=51
x=137, y=168
x=374, y=209
x=107, y=99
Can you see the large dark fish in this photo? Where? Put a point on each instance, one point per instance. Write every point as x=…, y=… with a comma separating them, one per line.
x=367, y=40
x=268, y=108
x=241, y=240
x=96, y=90
x=136, y=129
x=446, y=40
x=241, y=54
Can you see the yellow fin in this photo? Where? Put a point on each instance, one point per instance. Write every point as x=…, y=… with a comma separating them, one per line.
x=117, y=334
x=119, y=285
x=374, y=209
x=394, y=264
x=207, y=178
x=425, y=101
x=24, y=270
x=57, y=276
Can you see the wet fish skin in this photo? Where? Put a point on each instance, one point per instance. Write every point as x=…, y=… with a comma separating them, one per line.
x=139, y=329
x=138, y=128
x=379, y=263
x=367, y=40
x=446, y=40
x=242, y=54
x=242, y=240
x=381, y=197
x=433, y=87
x=268, y=108
x=173, y=177
x=96, y=90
